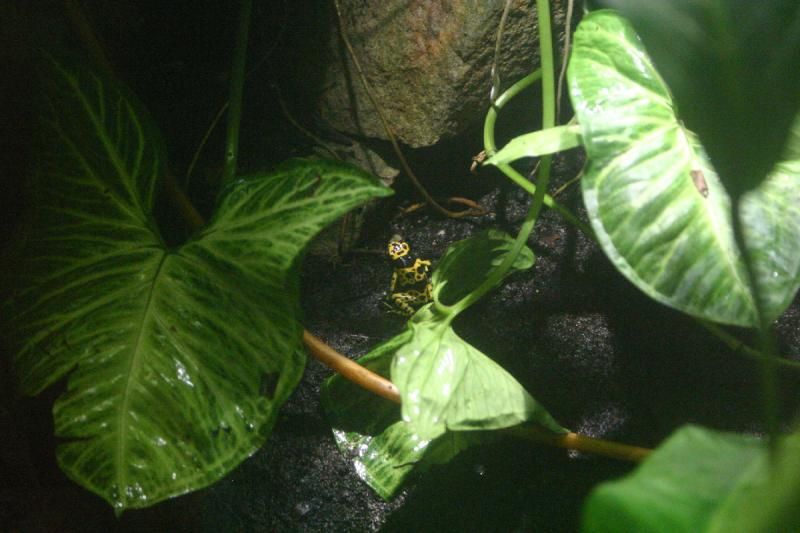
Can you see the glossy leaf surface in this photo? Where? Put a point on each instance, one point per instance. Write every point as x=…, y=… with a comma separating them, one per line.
x=772, y=230
x=446, y=383
x=450, y=390
x=657, y=206
x=734, y=68
x=701, y=480
x=368, y=429
x=468, y=262
x=176, y=360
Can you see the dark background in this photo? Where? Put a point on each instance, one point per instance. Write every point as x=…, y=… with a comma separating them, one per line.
x=604, y=359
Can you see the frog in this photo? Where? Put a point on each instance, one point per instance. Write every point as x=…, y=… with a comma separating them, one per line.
x=410, y=287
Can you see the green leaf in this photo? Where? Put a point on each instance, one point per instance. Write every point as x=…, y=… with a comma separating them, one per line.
x=468, y=262
x=538, y=143
x=176, y=361
x=772, y=230
x=450, y=390
x=658, y=208
x=384, y=450
x=701, y=480
x=386, y=461
x=768, y=499
x=734, y=68
x=447, y=384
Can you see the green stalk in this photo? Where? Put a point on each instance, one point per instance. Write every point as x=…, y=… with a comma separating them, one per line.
x=491, y=148
x=237, y=84
x=766, y=355
x=738, y=346
x=766, y=343
x=548, y=68
x=548, y=121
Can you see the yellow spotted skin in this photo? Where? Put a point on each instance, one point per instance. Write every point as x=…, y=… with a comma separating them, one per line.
x=411, y=287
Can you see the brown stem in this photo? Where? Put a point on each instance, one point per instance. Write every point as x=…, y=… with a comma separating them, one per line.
x=569, y=183
x=475, y=206
x=406, y=167
x=371, y=381
x=580, y=443
x=494, y=92
x=381, y=386
x=351, y=370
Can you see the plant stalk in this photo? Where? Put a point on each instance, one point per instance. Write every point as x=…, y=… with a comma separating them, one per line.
x=349, y=369
x=381, y=386
x=548, y=68
x=86, y=33
x=237, y=85
x=548, y=121
x=738, y=346
x=494, y=92
x=766, y=343
x=490, y=148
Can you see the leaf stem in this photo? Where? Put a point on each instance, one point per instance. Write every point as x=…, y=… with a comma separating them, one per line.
x=185, y=206
x=237, y=85
x=548, y=121
x=580, y=443
x=96, y=49
x=381, y=386
x=203, y=142
x=548, y=68
x=738, y=346
x=495, y=90
x=351, y=370
x=491, y=148
x=564, y=57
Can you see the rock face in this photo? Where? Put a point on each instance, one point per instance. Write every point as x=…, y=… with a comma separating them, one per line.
x=428, y=63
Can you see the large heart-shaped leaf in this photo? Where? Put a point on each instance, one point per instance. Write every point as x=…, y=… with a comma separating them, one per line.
x=447, y=384
x=701, y=480
x=384, y=449
x=657, y=206
x=734, y=68
x=177, y=360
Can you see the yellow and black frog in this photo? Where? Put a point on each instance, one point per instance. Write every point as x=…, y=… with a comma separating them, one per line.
x=411, y=285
